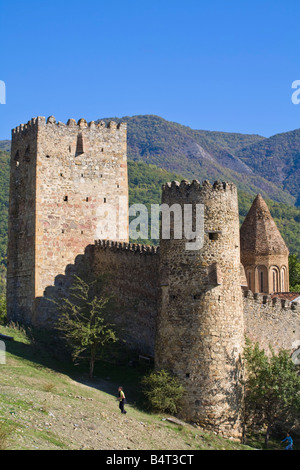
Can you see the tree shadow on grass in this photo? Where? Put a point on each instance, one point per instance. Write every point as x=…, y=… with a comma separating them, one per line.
x=44, y=350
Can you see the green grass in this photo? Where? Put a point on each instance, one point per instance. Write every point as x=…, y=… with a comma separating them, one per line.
x=47, y=403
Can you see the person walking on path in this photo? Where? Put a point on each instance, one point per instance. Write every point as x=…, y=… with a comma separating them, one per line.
x=289, y=440
x=122, y=400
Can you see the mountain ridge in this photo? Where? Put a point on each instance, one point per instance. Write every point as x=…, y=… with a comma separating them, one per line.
x=198, y=154
x=256, y=164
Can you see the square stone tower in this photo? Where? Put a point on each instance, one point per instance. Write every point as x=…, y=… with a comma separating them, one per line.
x=68, y=187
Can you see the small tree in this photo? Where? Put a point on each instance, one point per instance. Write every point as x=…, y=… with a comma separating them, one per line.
x=162, y=391
x=83, y=321
x=294, y=273
x=272, y=386
x=3, y=313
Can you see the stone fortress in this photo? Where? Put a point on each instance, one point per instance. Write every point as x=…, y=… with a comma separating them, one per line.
x=188, y=309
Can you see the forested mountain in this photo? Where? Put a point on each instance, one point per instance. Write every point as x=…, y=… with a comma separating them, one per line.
x=145, y=183
x=278, y=159
x=198, y=154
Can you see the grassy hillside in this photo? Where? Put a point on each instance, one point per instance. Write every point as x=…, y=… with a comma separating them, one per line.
x=48, y=404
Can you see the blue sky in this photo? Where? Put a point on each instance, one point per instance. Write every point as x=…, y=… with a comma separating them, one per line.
x=215, y=65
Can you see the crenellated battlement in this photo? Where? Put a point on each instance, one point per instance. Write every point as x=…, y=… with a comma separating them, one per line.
x=123, y=246
x=186, y=186
x=40, y=121
x=267, y=300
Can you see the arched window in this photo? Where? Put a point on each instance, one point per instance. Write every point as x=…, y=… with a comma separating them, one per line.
x=283, y=279
x=261, y=281
x=275, y=280
x=263, y=284
x=249, y=279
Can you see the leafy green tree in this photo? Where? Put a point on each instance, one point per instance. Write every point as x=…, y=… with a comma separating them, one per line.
x=83, y=321
x=294, y=268
x=272, y=386
x=162, y=392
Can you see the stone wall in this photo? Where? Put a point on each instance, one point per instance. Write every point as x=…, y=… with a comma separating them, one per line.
x=274, y=322
x=73, y=189
x=130, y=274
x=21, y=224
x=133, y=274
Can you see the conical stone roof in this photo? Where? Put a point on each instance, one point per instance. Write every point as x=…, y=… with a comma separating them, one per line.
x=259, y=234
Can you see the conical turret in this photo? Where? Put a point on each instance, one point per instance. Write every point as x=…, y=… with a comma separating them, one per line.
x=264, y=253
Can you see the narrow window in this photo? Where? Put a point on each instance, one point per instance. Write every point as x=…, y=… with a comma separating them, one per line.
x=27, y=154
x=261, y=282
x=87, y=199
x=283, y=280
x=17, y=158
x=79, y=146
x=105, y=200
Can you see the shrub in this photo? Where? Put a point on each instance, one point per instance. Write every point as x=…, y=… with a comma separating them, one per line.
x=3, y=314
x=162, y=392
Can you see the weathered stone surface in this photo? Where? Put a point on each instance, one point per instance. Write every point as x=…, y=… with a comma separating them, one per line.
x=70, y=190
x=200, y=327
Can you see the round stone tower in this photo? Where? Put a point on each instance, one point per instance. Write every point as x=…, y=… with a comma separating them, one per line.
x=200, y=328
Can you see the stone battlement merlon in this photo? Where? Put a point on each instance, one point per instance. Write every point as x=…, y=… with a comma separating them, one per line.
x=266, y=299
x=34, y=123
x=185, y=185
x=124, y=246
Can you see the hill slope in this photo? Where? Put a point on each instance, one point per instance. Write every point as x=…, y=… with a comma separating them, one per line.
x=278, y=159
x=199, y=155
x=47, y=404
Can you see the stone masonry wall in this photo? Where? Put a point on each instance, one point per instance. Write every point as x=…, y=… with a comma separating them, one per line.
x=133, y=274
x=274, y=322
x=130, y=273
x=76, y=191
x=21, y=224
x=200, y=328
